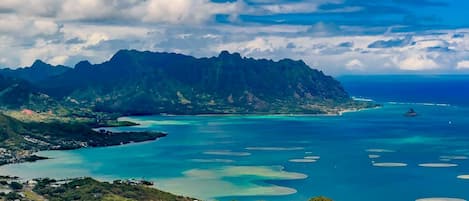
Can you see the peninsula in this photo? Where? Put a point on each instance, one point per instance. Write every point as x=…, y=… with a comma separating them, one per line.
x=56, y=107
x=46, y=107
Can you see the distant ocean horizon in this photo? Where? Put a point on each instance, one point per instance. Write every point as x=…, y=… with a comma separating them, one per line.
x=371, y=155
x=442, y=89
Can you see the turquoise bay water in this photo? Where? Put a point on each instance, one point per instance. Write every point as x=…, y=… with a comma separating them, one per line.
x=372, y=155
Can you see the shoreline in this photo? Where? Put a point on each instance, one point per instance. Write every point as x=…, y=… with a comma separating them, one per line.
x=360, y=110
x=73, y=144
x=31, y=155
x=34, y=156
x=338, y=113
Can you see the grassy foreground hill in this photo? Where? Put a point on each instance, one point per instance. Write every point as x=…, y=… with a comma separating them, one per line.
x=88, y=189
x=82, y=189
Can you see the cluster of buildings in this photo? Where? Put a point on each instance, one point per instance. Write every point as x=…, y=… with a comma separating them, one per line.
x=134, y=182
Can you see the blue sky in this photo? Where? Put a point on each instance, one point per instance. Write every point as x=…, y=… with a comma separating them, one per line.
x=336, y=36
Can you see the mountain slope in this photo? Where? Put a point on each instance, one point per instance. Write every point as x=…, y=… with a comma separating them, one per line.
x=19, y=94
x=39, y=71
x=9, y=129
x=134, y=82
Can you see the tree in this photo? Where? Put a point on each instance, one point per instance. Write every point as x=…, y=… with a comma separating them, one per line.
x=16, y=186
x=320, y=198
x=12, y=196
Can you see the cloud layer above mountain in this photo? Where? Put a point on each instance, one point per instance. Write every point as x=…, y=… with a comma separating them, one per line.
x=337, y=36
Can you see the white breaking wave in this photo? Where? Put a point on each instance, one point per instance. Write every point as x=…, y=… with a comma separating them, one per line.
x=227, y=153
x=274, y=148
x=438, y=165
x=440, y=199
x=389, y=164
x=380, y=150
x=302, y=160
x=426, y=104
x=362, y=99
x=464, y=176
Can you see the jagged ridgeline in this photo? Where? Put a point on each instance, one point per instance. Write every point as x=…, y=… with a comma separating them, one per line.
x=37, y=72
x=135, y=82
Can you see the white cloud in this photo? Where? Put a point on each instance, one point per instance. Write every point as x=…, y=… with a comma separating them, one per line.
x=355, y=64
x=12, y=24
x=46, y=27
x=291, y=8
x=58, y=60
x=153, y=11
x=32, y=29
x=305, y=6
x=463, y=65
x=183, y=11
x=417, y=63
x=429, y=43
x=87, y=9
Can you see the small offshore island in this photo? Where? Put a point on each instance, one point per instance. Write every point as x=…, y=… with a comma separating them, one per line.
x=45, y=107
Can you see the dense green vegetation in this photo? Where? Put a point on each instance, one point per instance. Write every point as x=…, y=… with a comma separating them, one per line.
x=15, y=185
x=56, y=107
x=20, y=139
x=134, y=82
x=17, y=94
x=88, y=189
x=56, y=134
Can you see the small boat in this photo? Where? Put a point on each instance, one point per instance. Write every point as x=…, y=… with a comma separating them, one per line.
x=411, y=113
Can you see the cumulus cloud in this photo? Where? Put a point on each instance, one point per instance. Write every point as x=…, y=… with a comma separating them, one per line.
x=417, y=63
x=463, y=65
x=177, y=11
x=320, y=32
x=354, y=64
x=58, y=60
x=183, y=11
x=46, y=27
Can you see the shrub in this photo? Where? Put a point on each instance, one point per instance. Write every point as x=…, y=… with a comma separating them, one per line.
x=16, y=186
x=320, y=198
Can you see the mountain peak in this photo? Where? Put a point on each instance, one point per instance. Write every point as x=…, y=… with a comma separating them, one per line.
x=38, y=71
x=83, y=64
x=40, y=64
x=123, y=56
x=227, y=55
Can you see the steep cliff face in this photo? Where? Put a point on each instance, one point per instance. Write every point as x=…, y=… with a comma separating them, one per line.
x=135, y=82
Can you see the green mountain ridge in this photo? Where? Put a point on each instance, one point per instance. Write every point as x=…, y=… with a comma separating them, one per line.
x=37, y=72
x=57, y=107
x=135, y=82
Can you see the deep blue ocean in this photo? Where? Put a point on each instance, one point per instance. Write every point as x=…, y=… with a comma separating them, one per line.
x=451, y=89
x=371, y=155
